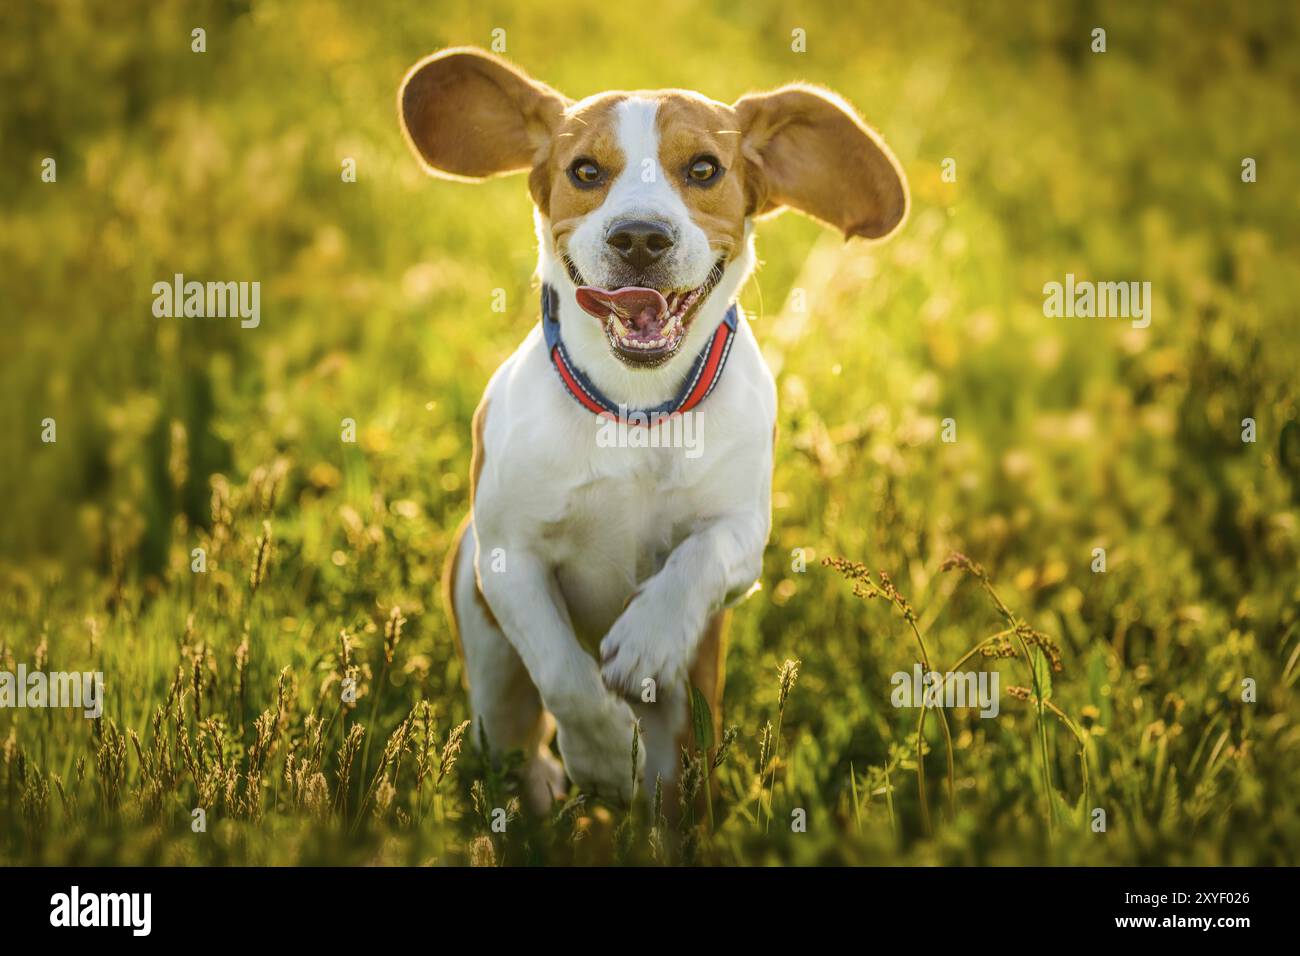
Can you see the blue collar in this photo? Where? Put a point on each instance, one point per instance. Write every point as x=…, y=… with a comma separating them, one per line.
x=703, y=377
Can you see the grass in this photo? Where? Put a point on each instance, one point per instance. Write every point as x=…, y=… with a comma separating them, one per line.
x=304, y=691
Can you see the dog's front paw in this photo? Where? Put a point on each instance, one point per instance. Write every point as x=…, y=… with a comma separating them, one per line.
x=639, y=648
x=598, y=752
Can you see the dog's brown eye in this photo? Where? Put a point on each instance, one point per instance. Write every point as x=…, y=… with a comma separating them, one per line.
x=704, y=169
x=584, y=172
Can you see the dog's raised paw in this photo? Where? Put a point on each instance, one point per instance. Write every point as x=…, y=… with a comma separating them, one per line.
x=634, y=660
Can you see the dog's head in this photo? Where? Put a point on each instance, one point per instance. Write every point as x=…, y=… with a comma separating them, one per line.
x=645, y=199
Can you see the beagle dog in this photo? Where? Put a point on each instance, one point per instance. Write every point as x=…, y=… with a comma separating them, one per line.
x=589, y=584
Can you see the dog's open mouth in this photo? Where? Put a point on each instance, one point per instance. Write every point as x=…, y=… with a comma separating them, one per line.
x=646, y=326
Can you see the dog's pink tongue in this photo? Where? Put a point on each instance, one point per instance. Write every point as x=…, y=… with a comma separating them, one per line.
x=636, y=307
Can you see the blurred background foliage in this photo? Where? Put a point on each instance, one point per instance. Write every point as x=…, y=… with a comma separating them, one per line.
x=1073, y=434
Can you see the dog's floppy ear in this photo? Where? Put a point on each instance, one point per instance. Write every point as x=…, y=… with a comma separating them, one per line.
x=470, y=115
x=807, y=149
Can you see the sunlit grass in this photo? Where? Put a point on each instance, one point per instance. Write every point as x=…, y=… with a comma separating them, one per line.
x=228, y=690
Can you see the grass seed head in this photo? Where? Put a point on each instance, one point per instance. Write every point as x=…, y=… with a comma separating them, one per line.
x=450, y=751
x=724, y=748
x=482, y=852
x=392, y=632
x=262, y=558
x=788, y=674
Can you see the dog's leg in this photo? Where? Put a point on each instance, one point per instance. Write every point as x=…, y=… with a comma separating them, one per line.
x=503, y=700
x=594, y=727
x=665, y=722
x=708, y=673
x=666, y=725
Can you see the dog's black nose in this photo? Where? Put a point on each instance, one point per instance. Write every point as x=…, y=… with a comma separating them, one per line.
x=639, y=242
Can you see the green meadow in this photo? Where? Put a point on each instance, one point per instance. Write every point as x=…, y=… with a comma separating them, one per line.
x=1071, y=502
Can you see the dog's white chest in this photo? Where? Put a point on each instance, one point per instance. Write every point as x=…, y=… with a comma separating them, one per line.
x=617, y=530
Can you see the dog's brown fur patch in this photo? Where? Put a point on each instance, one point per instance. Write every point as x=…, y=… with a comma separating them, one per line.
x=807, y=149
x=451, y=565
x=477, y=455
x=587, y=131
x=691, y=126
x=709, y=675
x=449, y=577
